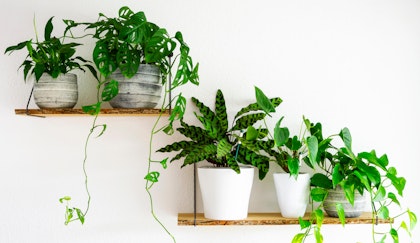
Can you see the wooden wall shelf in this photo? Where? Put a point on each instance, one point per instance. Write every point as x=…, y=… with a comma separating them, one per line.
x=187, y=219
x=75, y=112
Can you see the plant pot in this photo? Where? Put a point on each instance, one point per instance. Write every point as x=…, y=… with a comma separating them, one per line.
x=225, y=193
x=60, y=92
x=143, y=90
x=292, y=194
x=337, y=195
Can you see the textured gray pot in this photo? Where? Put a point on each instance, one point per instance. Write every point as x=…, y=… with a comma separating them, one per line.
x=337, y=195
x=143, y=90
x=56, y=93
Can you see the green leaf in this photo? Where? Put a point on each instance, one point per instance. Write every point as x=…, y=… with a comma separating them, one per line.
x=152, y=176
x=383, y=212
x=312, y=144
x=318, y=236
x=94, y=109
x=251, y=133
x=65, y=198
x=110, y=90
x=223, y=148
x=413, y=219
x=393, y=198
x=318, y=194
x=281, y=134
x=397, y=182
x=48, y=29
x=304, y=223
x=220, y=111
x=293, y=165
x=164, y=163
x=321, y=180
x=380, y=194
x=346, y=137
x=298, y=238
x=394, y=234
x=80, y=215
x=341, y=214
x=319, y=217
x=337, y=176
x=263, y=101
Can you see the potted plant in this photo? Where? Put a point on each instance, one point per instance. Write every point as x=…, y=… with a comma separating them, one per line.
x=289, y=153
x=363, y=173
x=50, y=62
x=137, y=53
x=228, y=150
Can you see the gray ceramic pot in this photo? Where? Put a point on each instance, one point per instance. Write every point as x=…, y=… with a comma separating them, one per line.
x=143, y=90
x=60, y=92
x=337, y=195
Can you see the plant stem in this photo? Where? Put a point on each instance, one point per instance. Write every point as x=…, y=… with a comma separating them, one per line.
x=148, y=186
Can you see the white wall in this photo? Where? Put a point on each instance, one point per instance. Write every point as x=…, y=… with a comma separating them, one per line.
x=344, y=63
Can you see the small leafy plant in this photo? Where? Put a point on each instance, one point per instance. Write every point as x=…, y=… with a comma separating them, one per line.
x=52, y=56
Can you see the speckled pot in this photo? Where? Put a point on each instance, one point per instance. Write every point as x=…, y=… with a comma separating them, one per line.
x=143, y=90
x=337, y=195
x=60, y=92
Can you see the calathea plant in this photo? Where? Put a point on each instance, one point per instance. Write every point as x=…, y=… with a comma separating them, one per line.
x=220, y=144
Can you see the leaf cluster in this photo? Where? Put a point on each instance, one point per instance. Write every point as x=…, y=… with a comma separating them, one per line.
x=52, y=56
x=128, y=40
x=362, y=172
x=220, y=144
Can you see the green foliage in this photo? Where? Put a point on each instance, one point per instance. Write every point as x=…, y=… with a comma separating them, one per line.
x=128, y=40
x=362, y=172
x=220, y=145
x=52, y=56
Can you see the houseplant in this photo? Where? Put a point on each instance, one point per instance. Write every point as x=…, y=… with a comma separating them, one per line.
x=288, y=152
x=131, y=45
x=363, y=173
x=50, y=62
x=223, y=147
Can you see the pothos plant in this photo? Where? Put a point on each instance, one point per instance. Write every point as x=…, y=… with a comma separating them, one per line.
x=363, y=172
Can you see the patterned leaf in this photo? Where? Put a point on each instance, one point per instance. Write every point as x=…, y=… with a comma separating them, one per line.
x=221, y=112
x=255, y=107
x=247, y=120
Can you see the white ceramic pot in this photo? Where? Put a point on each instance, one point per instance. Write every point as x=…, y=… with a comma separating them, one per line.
x=60, y=92
x=143, y=90
x=225, y=193
x=292, y=194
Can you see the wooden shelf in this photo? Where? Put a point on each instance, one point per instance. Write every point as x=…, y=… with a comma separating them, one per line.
x=76, y=112
x=187, y=219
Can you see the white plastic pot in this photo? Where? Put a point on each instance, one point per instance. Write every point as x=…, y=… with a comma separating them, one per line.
x=225, y=193
x=292, y=194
